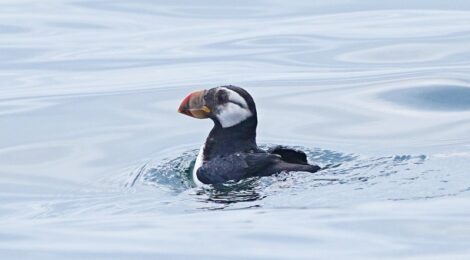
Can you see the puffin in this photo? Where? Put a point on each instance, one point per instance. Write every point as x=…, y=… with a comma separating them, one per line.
x=230, y=152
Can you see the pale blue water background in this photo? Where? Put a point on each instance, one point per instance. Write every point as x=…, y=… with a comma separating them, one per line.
x=93, y=153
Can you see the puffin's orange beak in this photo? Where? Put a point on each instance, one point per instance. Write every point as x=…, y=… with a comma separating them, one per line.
x=194, y=105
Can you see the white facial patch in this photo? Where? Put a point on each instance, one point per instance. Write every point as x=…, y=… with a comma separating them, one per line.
x=235, y=97
x=233, y=112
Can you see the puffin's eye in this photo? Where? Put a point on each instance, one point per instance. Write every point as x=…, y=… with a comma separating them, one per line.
x=222, y=97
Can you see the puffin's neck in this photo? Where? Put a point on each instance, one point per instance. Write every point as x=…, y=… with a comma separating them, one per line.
x=238, y=138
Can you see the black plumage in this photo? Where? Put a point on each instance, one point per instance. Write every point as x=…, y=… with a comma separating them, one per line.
x=231, y=153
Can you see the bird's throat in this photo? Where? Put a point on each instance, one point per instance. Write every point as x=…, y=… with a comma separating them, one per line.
x=239, y=138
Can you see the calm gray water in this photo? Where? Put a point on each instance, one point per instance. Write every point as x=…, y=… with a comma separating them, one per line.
x=94, y=157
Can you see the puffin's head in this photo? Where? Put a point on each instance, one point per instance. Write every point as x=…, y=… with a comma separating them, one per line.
x=226, y=105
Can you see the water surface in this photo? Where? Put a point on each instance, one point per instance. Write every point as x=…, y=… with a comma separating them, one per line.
x=94, y=159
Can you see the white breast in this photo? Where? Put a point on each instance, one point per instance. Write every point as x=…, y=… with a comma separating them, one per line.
x=197, y=165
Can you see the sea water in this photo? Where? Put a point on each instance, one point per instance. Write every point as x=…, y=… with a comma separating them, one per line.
x=95, y=160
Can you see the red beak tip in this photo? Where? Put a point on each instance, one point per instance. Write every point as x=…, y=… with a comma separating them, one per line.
x=184, y=104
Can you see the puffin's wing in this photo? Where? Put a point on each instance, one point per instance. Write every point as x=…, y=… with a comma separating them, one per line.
x=235, y=167
x=289, y=155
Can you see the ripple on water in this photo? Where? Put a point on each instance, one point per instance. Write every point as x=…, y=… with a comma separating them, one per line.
x=14, y=54
x=10, y=29
x=445, y=98
x=170, y=174
x=398, y=175
x=405, y=53
x=182, y=9
x=77, y=25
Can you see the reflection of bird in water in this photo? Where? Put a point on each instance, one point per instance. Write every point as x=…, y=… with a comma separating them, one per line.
x=227, y=193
